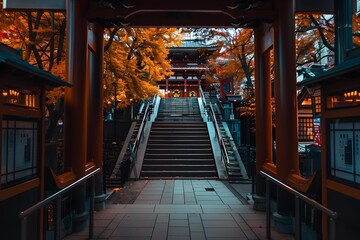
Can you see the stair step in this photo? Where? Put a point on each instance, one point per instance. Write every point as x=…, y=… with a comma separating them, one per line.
x=178, y=161
x=173, y=151
x=179, y=144
x=177, y=167
x=179, y=137
x=178, y=173
x=178, y=156
x=187, y=132
x=170, y=142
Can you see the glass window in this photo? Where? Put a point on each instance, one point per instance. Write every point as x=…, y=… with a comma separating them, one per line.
x=317, y=104
x=344, y=149
x=343, y=99
x=21, y=97
x=306, y=129
x=20, y=142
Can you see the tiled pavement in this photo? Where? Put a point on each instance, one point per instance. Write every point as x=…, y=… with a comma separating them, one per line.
x=180, y=209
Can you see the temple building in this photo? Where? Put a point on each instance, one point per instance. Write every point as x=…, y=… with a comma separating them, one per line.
x=188, y=62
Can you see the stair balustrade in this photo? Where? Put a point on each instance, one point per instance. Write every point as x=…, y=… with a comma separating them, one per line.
x=57, y=198
x=224, y=155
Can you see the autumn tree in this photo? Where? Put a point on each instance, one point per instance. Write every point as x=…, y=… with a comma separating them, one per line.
x=135, y=59
x=40, y=35
x=235, y=56
x=315, y=37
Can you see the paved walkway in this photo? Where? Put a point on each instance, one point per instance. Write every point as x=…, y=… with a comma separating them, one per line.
x=180, y=209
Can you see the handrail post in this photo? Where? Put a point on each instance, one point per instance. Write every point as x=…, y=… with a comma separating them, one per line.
x=58, y=218
x=298, y=196
x=332, y=231
x=23, y=228
x=91, y=214
x=58, y=198
x=268, y=210
x=297, y=219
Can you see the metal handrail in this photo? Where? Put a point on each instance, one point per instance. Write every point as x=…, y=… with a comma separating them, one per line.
x=142, y=125
x=57, y=196
x=298, y=196
x=202, y=95
x=219, y=137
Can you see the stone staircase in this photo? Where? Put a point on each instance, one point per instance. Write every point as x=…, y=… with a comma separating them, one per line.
x=116, y=181
x=179, y=144
x=233, y=168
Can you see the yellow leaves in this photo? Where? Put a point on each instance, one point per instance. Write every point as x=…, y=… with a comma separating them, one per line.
x=139, y=58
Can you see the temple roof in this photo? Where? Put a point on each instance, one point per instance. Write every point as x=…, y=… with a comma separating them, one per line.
x=10, y=58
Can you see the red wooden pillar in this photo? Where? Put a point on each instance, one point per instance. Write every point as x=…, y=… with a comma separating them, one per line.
x=95, y=108
x=263, y=120
x=76, y=99
x=285, y=90
x=285, y=106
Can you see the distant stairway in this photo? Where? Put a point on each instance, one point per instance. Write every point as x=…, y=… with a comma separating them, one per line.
x=179, y=144
x=234, y=170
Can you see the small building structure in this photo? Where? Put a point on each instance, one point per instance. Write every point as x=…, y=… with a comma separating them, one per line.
x=340, y=148
x=22, y=114
x=188, y=64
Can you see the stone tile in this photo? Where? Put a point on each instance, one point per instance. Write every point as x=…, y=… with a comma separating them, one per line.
x=238, y=218
x=196, y=227
x=102, y=222
x=208, y=198
x=132, y=232
x=161, y=227
x=234, y=206
x=220, y=224
x=109, y=206
x=115, y=222
x=256, y=223
x=137, y=216
x=178, y=223
x=179, y=216
x=178, y=231
x=204, y=206
x=207, y=193
x=211, y=216
x=243, y=210
x=198, y=235
x=250, y=234
x=217, y=210
x=205, y=202
x=142, y=206
x=129, y=238
x=137, y=223
x=159, y=236
x=147, y=201
x=194, y=218
x=104, y=215
x=230, y=200
x=106, y=234
x=178, y=238
x=228, y=238
x=148, y=197
x=253, y=216
x=162, y=220
x=224, y=232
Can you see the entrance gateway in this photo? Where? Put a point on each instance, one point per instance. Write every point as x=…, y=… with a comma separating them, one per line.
x=273, y=22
